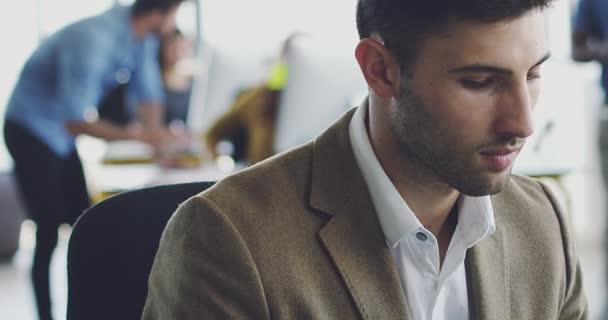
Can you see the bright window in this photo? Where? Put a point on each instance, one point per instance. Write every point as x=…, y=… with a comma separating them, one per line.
x=253, y=24
x=20, y=33
x=58, y=13
x=266, y=22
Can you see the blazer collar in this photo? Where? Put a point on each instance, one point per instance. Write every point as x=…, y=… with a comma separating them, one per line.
x=353, y=236
x=488, y=279
x=488, y=274
x=354, y=239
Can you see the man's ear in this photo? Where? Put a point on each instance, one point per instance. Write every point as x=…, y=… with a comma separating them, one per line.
x=379, y=67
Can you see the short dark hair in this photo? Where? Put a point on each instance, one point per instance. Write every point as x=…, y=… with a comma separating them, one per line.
x=143, y=6
x=403, y=24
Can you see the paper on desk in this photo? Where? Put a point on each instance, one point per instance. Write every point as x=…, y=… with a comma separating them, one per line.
x=128, y=151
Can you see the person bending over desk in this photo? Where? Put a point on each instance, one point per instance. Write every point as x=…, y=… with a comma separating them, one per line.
x=54, y=100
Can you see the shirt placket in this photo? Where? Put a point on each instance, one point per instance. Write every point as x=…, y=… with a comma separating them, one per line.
x=427, y=253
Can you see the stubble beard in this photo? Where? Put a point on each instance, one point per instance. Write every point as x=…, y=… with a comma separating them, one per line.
x=436, y=157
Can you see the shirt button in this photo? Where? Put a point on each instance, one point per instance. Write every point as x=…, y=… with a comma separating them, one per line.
x=421, y=236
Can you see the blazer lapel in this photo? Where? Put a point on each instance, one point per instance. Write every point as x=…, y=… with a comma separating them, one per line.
x=366, y=267
x=488, y=276
x=353, y=236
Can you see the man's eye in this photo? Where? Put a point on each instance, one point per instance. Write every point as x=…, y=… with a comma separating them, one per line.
x=534, y=76
x=477, y=83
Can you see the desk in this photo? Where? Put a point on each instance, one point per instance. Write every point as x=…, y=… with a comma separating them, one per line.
x=106, y=180
x=133, y=168
x=137, y=170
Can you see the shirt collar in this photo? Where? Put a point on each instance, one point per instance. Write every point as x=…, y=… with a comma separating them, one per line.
x=476, y=215
x=476, y=219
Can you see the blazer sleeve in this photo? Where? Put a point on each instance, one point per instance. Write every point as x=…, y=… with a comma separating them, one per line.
x=574, y=306
x=203, y=269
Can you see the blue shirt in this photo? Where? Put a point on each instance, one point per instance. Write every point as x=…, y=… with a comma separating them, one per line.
x=73, y=69
x=592, y=18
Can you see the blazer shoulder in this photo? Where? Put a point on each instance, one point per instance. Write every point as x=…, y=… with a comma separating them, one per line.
x=530, y=212
x=269, y=176
x=525, y=184
x=271, y=189
x=528, y=192
x=539, y=241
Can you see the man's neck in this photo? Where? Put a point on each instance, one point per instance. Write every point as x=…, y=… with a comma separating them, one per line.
x=433, y=201
x=434, y=204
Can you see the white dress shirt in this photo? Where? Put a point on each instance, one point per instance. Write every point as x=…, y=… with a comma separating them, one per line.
x=431, y=291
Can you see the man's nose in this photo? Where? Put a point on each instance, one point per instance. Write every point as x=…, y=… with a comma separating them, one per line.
x=514, y=117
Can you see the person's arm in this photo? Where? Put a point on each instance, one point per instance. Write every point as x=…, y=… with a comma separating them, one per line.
x=574, y=303
x=154, y=132
x=203, y=269
x=146, y=92
x=102, y=129
x=150, y=115
x=158, y=138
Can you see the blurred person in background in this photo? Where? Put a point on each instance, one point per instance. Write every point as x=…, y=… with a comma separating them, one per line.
x=590, y=43
x=177, y=81
x=114, y=107
x=175, y=48
x=249, y=123
x=55, y=100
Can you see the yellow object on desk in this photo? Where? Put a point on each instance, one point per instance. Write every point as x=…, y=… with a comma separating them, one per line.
x=182, y=159
x=127, y=161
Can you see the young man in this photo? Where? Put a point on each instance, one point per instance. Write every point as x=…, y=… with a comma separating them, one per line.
x=405, y=208
x=59, y=85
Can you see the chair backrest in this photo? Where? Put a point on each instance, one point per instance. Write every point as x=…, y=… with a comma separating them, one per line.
x=112, y=248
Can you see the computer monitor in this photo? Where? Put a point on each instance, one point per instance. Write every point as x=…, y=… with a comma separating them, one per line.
x=225, y=71
x=324, y=81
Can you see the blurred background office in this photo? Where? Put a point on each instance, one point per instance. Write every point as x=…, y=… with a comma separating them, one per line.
x=233, y=46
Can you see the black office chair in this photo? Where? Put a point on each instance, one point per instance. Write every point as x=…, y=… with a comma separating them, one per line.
x=112, y=248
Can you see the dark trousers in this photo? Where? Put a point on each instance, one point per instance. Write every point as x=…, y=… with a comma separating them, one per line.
x=53, y=190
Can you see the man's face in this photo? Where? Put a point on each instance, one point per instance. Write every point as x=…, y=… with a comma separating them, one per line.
x=164, y=22
x=464, y=111
x=176, y=49
x=168, y=22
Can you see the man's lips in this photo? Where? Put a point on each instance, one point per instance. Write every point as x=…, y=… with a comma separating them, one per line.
x=500, y=158
x=500, y=151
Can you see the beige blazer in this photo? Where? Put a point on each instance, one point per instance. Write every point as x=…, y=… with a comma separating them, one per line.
x=297, y=237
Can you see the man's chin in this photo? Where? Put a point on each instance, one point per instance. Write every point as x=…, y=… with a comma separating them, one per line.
x=499, y=183
x=484, y=186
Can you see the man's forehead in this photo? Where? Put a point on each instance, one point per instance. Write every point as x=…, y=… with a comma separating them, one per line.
x=520, y=40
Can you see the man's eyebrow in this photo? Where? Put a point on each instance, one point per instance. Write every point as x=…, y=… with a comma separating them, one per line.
x=483, y=68
x=542, y=60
